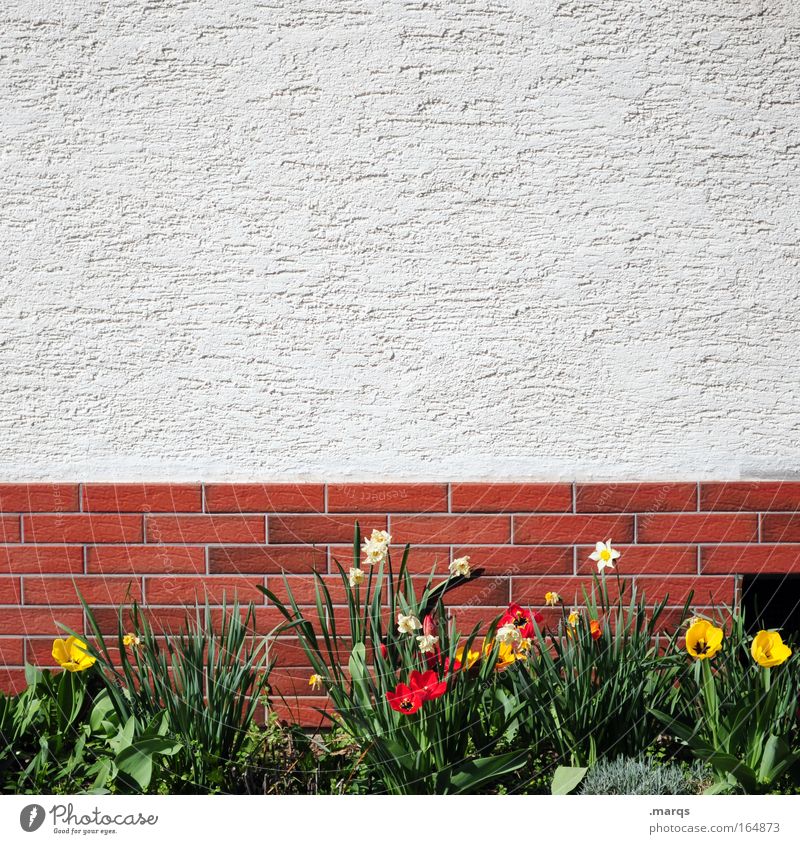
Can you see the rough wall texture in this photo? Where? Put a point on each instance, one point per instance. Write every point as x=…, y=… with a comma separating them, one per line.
x=399, y=239
x=171, y=545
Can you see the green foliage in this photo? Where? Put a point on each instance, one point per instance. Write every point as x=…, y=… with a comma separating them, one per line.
x=205, y=681
x=642, y=776
x=447, y=746
x=738, y=717
x=56, y=737
x=590, y=697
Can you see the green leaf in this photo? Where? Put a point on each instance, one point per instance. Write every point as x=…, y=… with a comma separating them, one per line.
x=469, y=775
x=135, y=764
x=566, y=780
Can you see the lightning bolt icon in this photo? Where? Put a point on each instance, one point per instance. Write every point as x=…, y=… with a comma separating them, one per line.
x=32, y=818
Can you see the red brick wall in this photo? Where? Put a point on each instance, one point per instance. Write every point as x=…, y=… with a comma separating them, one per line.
x=164, y=544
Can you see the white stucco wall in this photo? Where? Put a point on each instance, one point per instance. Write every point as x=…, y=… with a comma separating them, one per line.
x=399, y=239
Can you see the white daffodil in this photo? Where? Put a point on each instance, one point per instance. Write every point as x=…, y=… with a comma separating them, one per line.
x=376, y=548
x=604, y=555
x=509, y=634
x=357, y=577
x=460, y=567
x=407, y=623
x=427, y=644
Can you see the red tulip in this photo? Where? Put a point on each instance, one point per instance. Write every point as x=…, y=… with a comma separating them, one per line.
x=428, y=685
x=384, y=651
x=521, y=619
x=405, y=700
x=594, y=629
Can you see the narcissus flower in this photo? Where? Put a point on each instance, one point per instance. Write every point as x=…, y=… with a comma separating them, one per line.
x=72, y=654
x=131, y=641
x=522, y=619
x=407, y=623
x=595, y=628
x=460, y=567
x=551, y=599
x=604, y=555
x=376, y=547
x=769, y=650
x=316, y=681
x=509, y=635
x=427, y=643
x=703, y=640
x=357, y=577
x=574, y=616
x=427, y=684
x=404, y=699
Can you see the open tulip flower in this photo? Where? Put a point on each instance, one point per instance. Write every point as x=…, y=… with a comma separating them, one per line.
x=72, y=655
x=427, y=684
x=522, y=619
x=703, y=640
x=769, y=650
x=404, y=699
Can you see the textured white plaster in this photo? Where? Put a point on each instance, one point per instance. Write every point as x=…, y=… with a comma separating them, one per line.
x=322, y=239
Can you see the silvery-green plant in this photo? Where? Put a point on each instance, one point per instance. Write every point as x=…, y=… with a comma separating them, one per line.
x=624, y=775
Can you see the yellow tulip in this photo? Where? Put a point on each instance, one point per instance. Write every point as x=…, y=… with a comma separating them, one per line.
x=472, y=657
x=768, y=649
x=72, y=654
x=703, y=640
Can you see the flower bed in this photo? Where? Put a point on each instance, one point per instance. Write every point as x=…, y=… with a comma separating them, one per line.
x=517, y=703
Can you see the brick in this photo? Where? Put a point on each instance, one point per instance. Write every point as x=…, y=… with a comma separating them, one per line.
x=145, y=559
x=301, y=711
x=489, y=591
x=11, y=652
x=387, y=498
x=298, y=559
x=83, y=528
x=322, y=529
x=750, y=559
x=750, y=495
x=512, y=559
x=698, y=527
x=54, y=591
x=58, y=559
x=205, y=529
x=22, y=621
x=559, y=530
x=171, y=619
x=10, y=591
x=12, y=680
x=265, y=498
x=38, y=498
x=707, y=590
x=143, y=498
x=635, y=498
x=292, y=682
x=530, y=591
x=506, y=498
x=195, y=590
x=287, y=652
x=451, y=529
x=9, y=529
x=421, y=559
x=645, y=559
x=780, y=527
